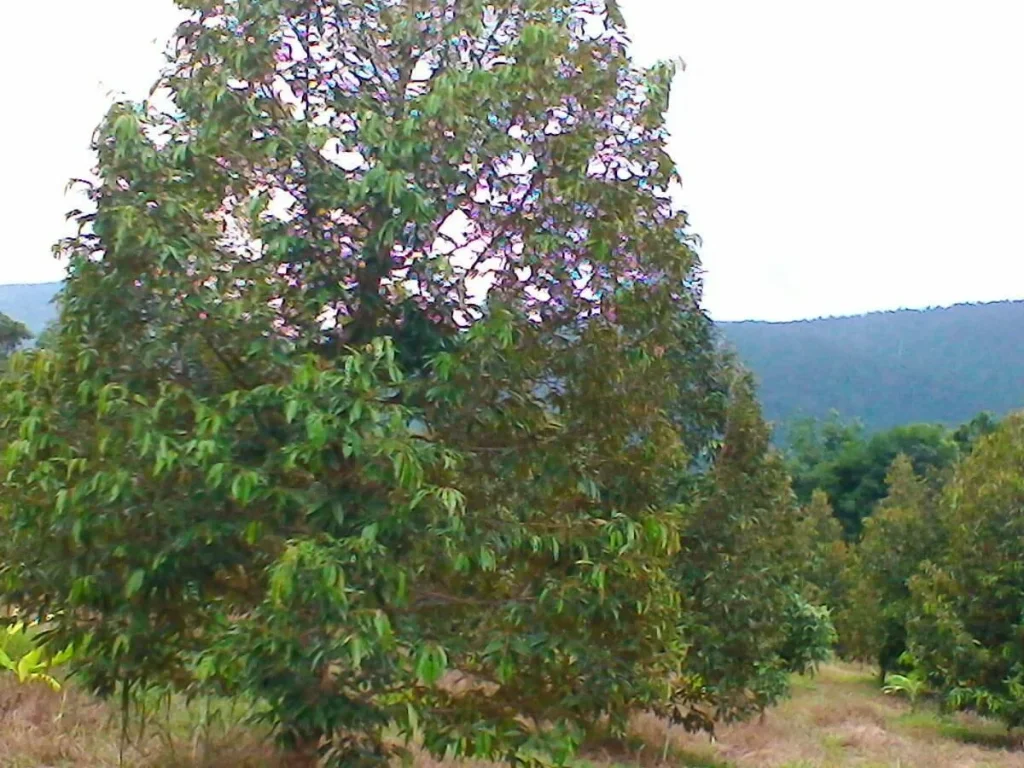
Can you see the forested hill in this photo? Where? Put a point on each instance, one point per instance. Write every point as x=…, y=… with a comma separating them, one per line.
x=886, y=368
x=890, y=368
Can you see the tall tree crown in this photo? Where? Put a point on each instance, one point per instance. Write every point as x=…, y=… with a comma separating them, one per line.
x=341, y=169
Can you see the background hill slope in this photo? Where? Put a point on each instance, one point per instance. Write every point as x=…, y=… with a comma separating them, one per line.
x=29, y=304
x=890, y=368
x=885, y=368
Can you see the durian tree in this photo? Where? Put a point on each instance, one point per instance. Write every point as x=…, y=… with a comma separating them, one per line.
x=382, y=392
x=752, y=615
x=964, y=627
x=903, y=533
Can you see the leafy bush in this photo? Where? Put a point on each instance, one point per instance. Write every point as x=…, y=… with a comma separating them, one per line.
x=965, y=626
x=912, y=686
x=26, y=656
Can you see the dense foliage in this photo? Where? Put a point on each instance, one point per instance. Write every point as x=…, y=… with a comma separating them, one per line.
x=747, y=580
x=381, y=394
x=968, y=604
x=932, y=586
x=851, y=467
x=902, y=534
x=825, y=555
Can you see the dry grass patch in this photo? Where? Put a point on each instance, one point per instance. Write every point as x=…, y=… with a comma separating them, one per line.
x=42, y=728
x=838, y=719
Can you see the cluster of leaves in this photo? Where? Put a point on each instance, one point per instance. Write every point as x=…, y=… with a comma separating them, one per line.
x=913, y=686
x=24, y=653
x=382, y=395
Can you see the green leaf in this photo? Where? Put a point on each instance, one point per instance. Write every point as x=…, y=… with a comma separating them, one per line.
x=316, y=430
x=382, y=624
x=357, y=650
x=431, y=664
x=135, y=582
x=253, y=531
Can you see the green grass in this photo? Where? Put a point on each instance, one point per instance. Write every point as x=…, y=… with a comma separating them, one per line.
x=963, y=729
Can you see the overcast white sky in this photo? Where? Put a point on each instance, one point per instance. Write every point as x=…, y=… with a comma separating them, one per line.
x=836, y=157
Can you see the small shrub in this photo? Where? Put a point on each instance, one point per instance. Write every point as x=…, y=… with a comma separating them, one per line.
x=22, y=654
x=912, y=686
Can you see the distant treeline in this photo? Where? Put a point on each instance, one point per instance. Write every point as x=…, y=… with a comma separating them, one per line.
x=849, y=464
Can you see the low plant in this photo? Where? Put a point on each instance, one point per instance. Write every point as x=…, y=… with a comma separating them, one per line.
x=911, y=686
x=24, y=656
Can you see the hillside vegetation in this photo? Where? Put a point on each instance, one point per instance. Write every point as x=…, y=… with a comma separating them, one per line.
x=889, y=368
x=883, y=369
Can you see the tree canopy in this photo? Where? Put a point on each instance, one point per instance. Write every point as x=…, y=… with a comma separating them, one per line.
x=850, y=467
x=964, y=632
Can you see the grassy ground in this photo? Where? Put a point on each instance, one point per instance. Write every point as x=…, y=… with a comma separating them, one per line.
x=837, y=719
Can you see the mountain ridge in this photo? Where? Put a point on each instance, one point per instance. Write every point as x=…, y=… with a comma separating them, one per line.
x=940, y=364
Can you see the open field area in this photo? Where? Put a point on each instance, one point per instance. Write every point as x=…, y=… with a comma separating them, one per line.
x=837, y=719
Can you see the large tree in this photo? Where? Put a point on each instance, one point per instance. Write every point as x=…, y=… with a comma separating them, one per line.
x=381, y=357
